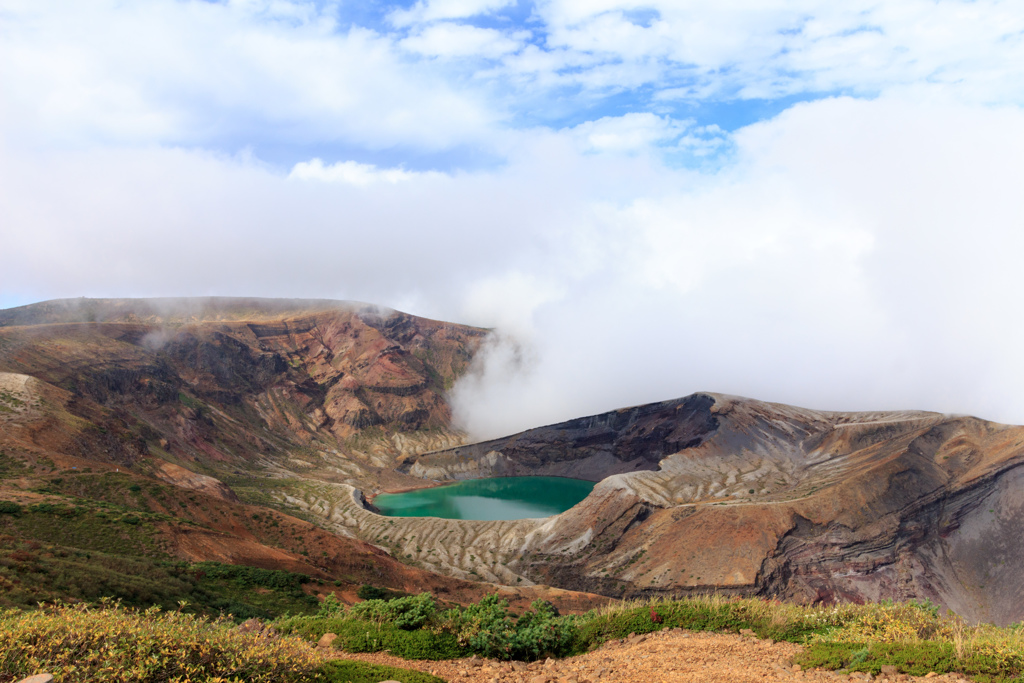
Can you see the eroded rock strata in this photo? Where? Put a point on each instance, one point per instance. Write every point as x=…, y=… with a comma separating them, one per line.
x=751, y=498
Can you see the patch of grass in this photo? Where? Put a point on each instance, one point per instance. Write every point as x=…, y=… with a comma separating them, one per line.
x=703, y=613
x=12, y=467
x=33, y=572
x=347, y=671
x=86, y=527
x=914, y=658
x=356, y=635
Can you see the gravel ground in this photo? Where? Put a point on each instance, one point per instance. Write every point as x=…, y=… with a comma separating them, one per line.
x=673, y=656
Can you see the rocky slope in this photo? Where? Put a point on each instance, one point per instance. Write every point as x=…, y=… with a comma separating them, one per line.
x=752, y=498
x=222, y=410
x=194, y=413
x=340, y=389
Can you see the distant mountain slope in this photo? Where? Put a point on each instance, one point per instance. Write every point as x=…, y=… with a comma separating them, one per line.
x=714, y=492
x=301, y=384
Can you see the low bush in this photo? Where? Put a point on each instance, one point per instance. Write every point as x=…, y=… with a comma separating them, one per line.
x=117, y=645
x=489, y=629
x=405, y=613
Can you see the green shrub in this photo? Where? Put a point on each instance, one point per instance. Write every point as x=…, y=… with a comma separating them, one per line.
x=331, y=607
x=406, y=613
x=490, y=630
x=9, y=507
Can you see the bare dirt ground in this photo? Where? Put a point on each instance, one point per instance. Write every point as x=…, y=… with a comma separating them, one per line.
x=673, y=656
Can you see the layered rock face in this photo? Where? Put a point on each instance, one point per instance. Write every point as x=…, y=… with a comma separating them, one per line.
x=295, y=384
x=764, y=499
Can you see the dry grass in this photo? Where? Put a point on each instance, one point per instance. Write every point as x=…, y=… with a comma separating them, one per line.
x=117, y=645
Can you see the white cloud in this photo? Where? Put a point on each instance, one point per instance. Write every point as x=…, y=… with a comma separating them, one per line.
x=767, y=49
x=200, y=73
x=628, y=133
x=459, y=40
x=432, y=10
x=846, y=254
x=857, y=255
x=350, y=172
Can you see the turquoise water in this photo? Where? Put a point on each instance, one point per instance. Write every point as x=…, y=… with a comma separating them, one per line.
x=488, y=499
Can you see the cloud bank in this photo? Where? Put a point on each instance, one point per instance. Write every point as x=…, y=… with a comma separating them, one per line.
x=602, y=183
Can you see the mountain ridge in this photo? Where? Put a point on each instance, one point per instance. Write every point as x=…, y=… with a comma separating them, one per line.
x=298, y=411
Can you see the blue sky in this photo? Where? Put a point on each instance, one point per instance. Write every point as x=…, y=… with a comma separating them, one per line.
x=797, y=200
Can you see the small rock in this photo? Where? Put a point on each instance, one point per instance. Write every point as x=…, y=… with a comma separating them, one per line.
x=931, y=674
x=797, y=667
x=539, y=679
x=326, y=640
x=889, y=670
x=38, y=678
x=748, y=633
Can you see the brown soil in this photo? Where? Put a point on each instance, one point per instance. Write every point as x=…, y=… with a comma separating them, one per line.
x=673, y=656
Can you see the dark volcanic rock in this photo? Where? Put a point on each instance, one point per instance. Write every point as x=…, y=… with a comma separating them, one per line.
x=591, y=448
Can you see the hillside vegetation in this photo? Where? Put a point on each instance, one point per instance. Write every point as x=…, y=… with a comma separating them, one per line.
x=117, y=645
x=113, y=643
x=911, y=636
